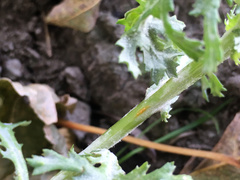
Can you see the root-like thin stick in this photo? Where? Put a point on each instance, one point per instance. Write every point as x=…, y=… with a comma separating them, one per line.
x=47, y=37
x=157, y=146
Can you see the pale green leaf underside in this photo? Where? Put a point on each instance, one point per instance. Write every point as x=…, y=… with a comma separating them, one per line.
x=100, y=165
x=213, y=53
x=145, y=48
x=13, y=150
x=233, y=19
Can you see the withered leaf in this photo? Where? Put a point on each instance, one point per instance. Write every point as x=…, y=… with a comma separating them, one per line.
x=228, y=144
x=76, y=14
x=35, y=103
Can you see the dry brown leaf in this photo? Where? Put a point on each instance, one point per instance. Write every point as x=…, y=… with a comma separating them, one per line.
x=217, y=172
x=42, y=99
x=68, y=102
x=228, y=144
x=54, y=136
x=36, y=103
x=76, y=14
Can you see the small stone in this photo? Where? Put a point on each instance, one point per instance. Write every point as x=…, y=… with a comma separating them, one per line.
x=8, y=46
x=76, y=82
x=81, y=114
x=109, y=24
x=33, y=53
x=13, y=69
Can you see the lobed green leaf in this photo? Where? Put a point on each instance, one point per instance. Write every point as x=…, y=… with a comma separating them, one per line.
x=101, y=164
x=54, y=161
x=213, y=53
x=132, y=16
x=13, y=150
x=165, y=172
x=192, y=48
x=215, y=86
x=149, y=48
x=212, y=83
x=232, y=24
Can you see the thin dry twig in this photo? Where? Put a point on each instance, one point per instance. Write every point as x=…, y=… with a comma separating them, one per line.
x=47, y=37
x=160, y=147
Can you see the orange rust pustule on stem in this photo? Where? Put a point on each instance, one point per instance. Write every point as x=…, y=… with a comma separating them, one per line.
x=142, y=111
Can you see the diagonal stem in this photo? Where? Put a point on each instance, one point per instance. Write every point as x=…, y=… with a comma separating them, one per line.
x=173, y=87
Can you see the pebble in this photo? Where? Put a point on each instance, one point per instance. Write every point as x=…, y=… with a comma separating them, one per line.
x=13, y=69
x=76, y=81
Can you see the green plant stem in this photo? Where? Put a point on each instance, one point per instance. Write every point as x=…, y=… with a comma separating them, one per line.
x=169, y=90
x=173, y=87
x=122, y=150
x=178, y=131
x=207, y=114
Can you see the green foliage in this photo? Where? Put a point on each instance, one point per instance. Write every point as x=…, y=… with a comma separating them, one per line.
x=213, y=53
x=132, y=16
x=100, y=164
x=230, y=2
x=165, y=172
x=155, y=58
x=54, y=161
x=12, y=149
x=213, y=84
x=232, y=19
x=137, y=37
x=157, y=55
x=192, y=48
x=232, y=23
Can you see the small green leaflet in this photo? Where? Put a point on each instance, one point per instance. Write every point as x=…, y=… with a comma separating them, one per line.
x=99, y=164
x=157, y=55
x=230, y=2
x=132, y=16
x=232, y=19
x=13, y=150
x=213, y=53
x=232, y=24
x=135, y=17
x=54, y=161
x=214, y=84
x=133, y=22
x=164, y=173
x=237, y=1
x=183, y=61
x=192, y=48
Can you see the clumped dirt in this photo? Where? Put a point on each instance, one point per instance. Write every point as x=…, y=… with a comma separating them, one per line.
x=85, y=65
